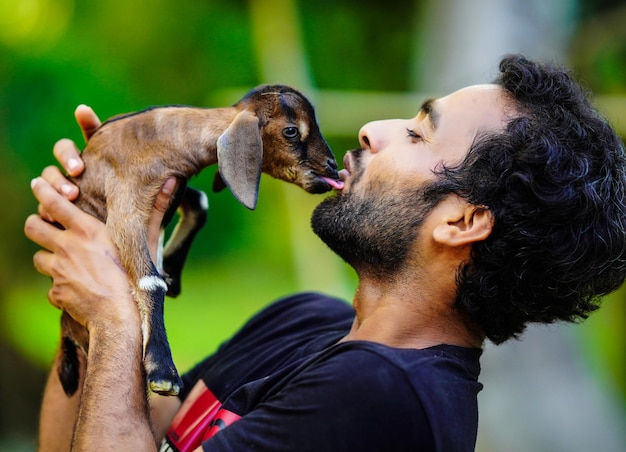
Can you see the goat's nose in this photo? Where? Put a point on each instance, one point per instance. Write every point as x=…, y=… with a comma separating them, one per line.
x=331, y=163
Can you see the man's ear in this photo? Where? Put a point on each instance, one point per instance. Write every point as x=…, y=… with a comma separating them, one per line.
x=462, y=223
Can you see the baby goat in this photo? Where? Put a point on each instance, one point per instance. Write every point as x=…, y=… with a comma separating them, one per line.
x=272, y=129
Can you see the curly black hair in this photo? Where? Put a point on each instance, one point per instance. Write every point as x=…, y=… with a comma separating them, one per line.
x=555, y=181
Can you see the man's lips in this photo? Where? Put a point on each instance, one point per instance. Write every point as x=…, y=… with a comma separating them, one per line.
x=346, y=172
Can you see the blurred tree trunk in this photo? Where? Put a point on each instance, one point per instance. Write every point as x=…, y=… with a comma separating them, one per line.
x=281, y=58
x=460, y=41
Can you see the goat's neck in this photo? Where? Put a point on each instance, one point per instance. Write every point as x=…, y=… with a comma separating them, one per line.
x=193, y=131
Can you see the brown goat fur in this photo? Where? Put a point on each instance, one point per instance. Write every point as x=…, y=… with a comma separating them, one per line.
x=272, y=130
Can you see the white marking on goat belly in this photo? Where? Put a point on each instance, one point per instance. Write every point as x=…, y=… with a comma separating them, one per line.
x=151, y=283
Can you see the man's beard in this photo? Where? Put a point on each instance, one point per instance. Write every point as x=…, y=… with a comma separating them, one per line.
x=372, y=233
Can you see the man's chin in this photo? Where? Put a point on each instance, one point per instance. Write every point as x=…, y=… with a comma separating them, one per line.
x=363, y=232
x=332, y=220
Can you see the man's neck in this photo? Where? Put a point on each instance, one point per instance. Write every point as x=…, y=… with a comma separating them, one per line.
x=409, y=314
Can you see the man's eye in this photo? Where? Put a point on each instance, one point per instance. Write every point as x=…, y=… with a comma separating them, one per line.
x=413, y=135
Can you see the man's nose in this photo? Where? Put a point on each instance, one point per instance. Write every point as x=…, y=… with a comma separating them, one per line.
x=375, y=135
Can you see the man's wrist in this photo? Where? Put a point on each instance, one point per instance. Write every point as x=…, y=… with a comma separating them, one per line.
x=125, y=334
x=117, y=314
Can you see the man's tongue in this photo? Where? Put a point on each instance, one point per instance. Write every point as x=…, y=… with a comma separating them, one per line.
x=336, y=184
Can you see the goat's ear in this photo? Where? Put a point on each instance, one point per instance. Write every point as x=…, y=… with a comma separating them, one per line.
x=240, y=158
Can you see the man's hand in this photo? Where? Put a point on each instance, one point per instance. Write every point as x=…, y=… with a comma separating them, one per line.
x=89, y=283
x=68, y=156
x=81, y=259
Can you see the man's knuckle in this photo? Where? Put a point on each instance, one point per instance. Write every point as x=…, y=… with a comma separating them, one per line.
x=49, y=172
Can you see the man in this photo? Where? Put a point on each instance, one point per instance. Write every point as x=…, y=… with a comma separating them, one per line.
x=496, y=206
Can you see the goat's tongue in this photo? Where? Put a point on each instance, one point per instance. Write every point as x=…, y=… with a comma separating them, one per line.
x=336, y=184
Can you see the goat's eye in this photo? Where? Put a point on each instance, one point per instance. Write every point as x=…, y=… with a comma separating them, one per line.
x=291, y=132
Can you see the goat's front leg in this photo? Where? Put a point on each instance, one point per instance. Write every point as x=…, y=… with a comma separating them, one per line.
x=193, y=213
x=126, y=225
x=161, y=372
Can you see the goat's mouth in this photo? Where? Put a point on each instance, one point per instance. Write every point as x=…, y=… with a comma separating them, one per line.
x=317, y=183
x=333, y=183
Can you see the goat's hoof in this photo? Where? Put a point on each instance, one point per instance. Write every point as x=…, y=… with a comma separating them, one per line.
x=164, y=387
x=173, y=292
x=173, y=287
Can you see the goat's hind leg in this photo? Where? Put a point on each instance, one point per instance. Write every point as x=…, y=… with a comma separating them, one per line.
x=193, y=213
x=73, y=337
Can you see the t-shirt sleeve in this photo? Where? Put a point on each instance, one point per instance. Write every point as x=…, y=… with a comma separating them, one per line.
x=356, y=402
x=270, y=339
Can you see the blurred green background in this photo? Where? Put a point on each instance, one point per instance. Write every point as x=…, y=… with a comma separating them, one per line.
x=357, y=61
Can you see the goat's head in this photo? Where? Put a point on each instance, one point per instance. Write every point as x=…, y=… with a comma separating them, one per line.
x=281, y=122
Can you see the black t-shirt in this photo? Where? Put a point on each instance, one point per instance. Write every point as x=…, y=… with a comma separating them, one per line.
x=282, y=383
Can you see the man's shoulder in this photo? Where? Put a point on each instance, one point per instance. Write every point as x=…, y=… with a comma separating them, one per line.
x=302, y=312
x=442, y=379
x=437, y=359
x=284, y=332
x=361, y=364
x=311, y=303
x=440, y=383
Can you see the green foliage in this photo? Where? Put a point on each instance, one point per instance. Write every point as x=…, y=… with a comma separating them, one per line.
x=355, y=47
x=119, y=56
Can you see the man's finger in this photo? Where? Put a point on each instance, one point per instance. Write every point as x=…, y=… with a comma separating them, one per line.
x=163, y=199
x=161, y=205
x=60, y=183
x=42, y=262
x=87, y=120
x=59, y=208
x=41, y=232
x=67, y=154
x=45, y=215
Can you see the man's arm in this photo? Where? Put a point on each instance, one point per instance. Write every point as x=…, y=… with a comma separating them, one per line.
x=84, y=267
x=89, y=283
x=114, y=407
x=58, y=412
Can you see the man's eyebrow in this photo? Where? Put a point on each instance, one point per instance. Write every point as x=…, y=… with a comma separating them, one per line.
x=429, y=109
